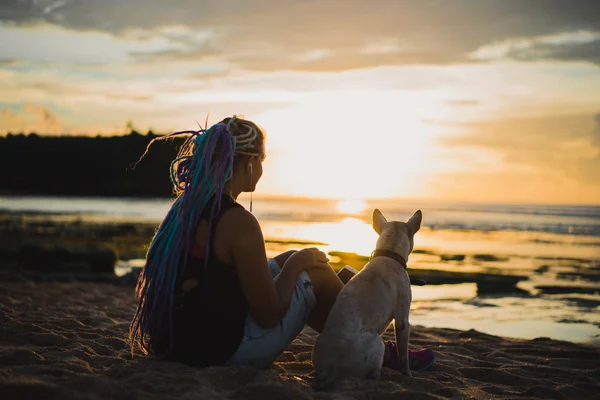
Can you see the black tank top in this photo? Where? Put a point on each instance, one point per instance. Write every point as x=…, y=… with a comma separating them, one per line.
x=209, y=319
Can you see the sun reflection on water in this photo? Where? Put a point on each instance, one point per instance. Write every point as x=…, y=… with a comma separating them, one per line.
x=349, y=235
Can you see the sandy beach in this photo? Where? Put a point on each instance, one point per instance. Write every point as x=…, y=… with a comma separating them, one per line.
x=69, y=341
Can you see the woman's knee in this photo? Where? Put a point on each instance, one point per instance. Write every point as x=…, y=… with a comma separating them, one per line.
x=324, y=280
x=283, y=257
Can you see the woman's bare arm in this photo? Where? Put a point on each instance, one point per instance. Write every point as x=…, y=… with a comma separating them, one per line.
x=268, y=300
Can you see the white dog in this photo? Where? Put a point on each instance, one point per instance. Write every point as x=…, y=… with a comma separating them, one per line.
x=350, y=345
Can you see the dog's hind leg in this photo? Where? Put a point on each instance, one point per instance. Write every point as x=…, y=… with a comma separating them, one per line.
x=402, y=331
x=375, y=350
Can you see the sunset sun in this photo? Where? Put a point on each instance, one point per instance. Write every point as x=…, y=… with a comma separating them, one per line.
x=351, y=206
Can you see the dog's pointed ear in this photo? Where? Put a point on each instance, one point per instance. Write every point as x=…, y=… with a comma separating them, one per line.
x=378, y=221
x=414, y=223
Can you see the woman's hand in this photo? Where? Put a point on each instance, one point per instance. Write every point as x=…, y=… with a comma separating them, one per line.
x=307, y=259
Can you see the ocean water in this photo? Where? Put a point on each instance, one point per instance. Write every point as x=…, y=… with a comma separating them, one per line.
x=563, y=219
x=541, y=230
x=548, y=244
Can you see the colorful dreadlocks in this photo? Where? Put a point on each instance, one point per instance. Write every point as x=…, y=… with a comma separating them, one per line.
x=200, y=171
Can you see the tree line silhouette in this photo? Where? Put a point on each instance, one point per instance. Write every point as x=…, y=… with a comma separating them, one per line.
x=86, y=166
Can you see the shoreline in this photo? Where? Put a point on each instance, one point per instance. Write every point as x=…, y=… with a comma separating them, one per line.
x=469, y=289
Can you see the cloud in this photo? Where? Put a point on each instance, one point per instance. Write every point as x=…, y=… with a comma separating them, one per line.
x=549, y=159
x=50, y=86
x=319, y=35
x=559, y=145
x=31, y=118
x=192, y=53
x=596, y=131
x=566, y=46
x=463, y=103
x=589, y=52
x=8, y=62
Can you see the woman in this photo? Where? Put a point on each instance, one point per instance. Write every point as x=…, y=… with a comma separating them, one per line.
x=208, y=295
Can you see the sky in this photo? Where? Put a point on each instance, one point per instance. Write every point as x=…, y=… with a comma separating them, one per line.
x=485, y=101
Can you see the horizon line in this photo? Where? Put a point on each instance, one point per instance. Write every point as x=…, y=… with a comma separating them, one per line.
x=316, y=199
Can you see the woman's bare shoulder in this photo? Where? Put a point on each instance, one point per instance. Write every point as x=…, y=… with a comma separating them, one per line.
x=238, y=221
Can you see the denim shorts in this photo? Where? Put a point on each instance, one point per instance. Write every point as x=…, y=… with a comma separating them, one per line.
x=261, y=346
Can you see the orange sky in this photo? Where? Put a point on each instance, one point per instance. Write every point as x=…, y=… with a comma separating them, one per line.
x=489, y=101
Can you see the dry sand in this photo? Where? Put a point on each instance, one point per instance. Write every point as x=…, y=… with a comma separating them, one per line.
x=69, y=341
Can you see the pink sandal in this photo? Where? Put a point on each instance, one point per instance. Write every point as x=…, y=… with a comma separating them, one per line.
x=418, y=360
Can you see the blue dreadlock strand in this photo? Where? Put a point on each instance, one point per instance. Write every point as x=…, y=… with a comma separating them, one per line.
x=199, y=172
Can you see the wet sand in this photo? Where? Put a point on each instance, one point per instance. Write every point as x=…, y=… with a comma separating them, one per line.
x=69, y=341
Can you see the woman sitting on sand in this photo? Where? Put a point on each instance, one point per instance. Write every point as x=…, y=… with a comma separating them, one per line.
x=208, y=295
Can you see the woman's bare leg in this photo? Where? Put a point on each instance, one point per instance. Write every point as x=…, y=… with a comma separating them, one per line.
x=326, y=286
x=283, y=257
